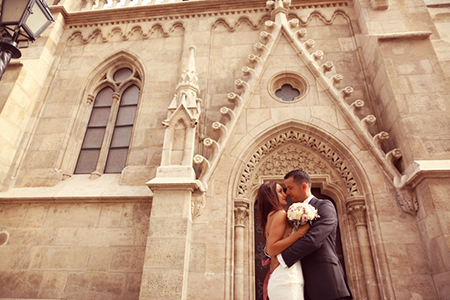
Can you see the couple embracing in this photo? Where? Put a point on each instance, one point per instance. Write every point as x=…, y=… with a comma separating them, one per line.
x=304, y=263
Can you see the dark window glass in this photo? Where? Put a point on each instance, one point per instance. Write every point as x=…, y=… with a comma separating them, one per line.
x=104, y=98
x=120, y=143
x=287, y=92
x=116, y=160
x=93, y=138
x=87, y=161
x=99, y=116
x=95, y=132
x=130, y=96
x=126, y=115
x=122, y=74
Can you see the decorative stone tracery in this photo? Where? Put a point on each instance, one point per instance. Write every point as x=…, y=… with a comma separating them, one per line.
x=311, y=144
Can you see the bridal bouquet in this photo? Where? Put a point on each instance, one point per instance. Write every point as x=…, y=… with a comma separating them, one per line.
x=300, y=213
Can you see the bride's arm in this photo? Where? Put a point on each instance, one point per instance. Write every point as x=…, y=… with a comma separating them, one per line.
x=275, y=243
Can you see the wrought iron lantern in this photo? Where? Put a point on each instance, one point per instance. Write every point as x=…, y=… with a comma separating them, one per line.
x=21, y=21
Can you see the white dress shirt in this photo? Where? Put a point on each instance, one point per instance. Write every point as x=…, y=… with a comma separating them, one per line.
x=279, y=256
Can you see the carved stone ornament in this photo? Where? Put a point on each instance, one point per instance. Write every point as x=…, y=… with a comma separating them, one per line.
x=358, y=213
x=240, y=213
x=198, y=204
x=408, y=202
x=278, y=165
x=291, y=157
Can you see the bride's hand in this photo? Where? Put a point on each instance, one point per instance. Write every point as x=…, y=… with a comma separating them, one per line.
x=274, y=264
x=302, y=230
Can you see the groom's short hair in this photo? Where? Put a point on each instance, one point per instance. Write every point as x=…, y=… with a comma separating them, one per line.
x=299, y=176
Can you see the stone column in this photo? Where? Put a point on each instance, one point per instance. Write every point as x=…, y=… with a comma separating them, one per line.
x=240, y=216
x=166, y=263
x=357, y=212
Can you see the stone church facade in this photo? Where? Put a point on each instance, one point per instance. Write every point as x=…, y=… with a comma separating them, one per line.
x=134, y=136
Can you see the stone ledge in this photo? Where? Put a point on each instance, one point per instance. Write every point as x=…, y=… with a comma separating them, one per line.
x=411, y=35
x=428, y=169
x=79, y=188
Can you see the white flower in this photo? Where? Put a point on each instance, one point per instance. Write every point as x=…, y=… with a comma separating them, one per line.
x=300, y=213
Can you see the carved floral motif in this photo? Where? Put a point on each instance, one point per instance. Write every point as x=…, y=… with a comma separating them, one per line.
x=311, y=144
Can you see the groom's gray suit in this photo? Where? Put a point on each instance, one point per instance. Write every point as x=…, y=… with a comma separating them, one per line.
x=323, y=273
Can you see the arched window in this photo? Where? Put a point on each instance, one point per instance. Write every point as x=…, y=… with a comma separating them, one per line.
x=108, y=133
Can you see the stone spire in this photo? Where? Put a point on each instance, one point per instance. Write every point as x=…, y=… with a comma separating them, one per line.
x=187, y=90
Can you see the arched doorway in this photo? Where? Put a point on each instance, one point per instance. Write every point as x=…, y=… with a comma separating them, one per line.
x=260, y=270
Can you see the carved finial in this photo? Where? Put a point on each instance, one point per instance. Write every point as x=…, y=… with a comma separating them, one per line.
x=203, y=162
x=393, y=155
x=302, y=32
x=309, y=43
x=327, y=66
x=294, y=23
x=260, y=47
x=347, y=90
x=248, y=70
x=241, y=84
x=269, y=24
x=223, y=129
x=358, y=104
x=235, y=98
x=265, y=35
x=254, y=58
x=380, y=137
x=337, y=78
x=367, y=121
x=318, y=55
x=215, y=147
x=226, y=111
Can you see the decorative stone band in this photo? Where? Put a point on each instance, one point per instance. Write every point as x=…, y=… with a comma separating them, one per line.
x=241, y=212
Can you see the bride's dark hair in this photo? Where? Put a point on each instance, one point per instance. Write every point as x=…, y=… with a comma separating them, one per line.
x=267, y=202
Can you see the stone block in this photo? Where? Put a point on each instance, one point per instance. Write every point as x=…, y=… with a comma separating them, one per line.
x=73, y=215
x=20, y=284
x=99, y=286
x=127, y=259
x=52, y=285
x=165, y=253
x=59, y=258
x=11, y=257
x=133, y=286
x=161, y=284
x=76, y=236
x=12, y=215
x=99, y=259
x=110, y=215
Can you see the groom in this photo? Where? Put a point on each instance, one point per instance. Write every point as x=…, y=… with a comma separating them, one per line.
x=322, y=271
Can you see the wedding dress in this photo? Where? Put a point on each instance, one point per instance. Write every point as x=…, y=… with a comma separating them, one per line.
x=286, y=283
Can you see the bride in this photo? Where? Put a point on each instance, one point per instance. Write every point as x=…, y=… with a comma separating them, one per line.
x=284, y=283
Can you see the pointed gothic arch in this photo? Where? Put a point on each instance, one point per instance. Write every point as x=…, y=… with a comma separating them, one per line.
x=336, y=171
x=100, y=78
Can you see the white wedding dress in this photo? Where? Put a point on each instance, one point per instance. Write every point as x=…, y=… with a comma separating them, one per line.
x=286, y=283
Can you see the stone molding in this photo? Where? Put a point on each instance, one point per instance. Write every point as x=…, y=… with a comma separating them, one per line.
x=125, y=34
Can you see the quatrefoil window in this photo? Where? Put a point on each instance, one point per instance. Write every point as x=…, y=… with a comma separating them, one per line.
x=288, y=87
x=287, y=92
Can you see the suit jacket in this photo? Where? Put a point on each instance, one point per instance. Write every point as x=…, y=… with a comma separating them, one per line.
x=322, y=271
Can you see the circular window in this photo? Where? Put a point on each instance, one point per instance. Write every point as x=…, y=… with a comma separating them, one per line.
x=122, y=74
x=288, y=87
